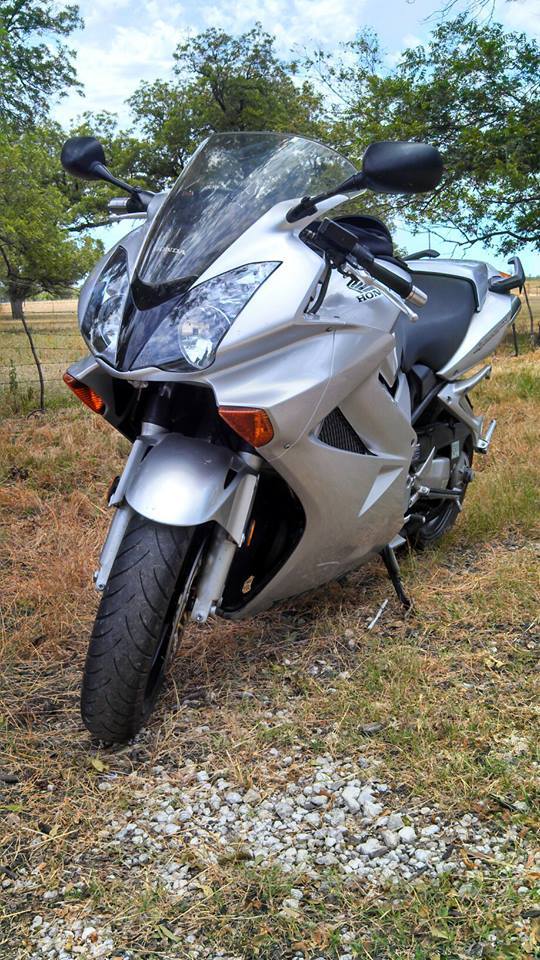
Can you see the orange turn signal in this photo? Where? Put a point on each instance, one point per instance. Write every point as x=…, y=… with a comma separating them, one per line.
x=84, y=393
x=253, y=425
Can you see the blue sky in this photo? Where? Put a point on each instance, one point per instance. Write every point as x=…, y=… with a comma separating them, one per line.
x=132, y=40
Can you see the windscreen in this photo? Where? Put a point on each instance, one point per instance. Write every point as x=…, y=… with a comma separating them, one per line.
x=230, y=182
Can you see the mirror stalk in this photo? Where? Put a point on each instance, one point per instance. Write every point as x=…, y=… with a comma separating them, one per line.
x=308, y=205
x=102, y=172
x=387, y=167
x=138, y=199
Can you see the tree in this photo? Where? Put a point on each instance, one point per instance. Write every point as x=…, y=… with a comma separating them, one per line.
x=221, y=83
x=346, y=76
x=473, y=90
x=36, y=65
x=37, y=251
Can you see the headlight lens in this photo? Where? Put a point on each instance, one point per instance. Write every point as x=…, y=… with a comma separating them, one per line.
x=103, y=316
x=192, y=331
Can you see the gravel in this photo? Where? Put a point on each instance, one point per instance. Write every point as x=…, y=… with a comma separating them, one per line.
x=334, y=814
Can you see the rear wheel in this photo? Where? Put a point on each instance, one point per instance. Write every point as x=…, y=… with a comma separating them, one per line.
x=136, y=628
x=441, y=515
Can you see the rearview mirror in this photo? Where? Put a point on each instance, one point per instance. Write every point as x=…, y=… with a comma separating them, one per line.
x=84, y=157
x=401, y=167
x=388, y=166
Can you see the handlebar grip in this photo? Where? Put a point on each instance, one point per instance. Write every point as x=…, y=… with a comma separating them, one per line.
x=334, y=237
x=118, y=205
x=394, y=277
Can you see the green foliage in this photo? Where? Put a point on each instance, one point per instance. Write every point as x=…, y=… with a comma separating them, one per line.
x=37, y=251
x=221, y=83
x=36, y=64
x=473, y=91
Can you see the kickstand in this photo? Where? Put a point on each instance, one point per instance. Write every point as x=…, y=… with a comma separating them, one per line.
x=392, y=566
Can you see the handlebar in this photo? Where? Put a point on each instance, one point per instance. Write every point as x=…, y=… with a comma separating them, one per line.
x=335, y=239
x=396, y=278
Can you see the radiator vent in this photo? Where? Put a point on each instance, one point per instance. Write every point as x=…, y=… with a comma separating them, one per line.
x=336, y=431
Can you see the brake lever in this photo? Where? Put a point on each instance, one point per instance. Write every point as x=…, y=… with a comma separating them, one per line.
x=350, y=269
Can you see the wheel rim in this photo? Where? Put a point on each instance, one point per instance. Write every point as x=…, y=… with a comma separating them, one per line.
x=439, y=514
x=435, y=524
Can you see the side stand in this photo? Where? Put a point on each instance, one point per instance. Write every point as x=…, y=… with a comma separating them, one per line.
x=392, y=566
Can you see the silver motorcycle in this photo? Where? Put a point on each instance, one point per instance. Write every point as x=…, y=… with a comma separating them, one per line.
x=296, y=395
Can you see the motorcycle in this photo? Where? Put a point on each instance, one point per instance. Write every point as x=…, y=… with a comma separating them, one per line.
x=297, y=396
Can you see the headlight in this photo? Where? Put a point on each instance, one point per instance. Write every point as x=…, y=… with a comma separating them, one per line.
x=103, y=315
x=191, y=332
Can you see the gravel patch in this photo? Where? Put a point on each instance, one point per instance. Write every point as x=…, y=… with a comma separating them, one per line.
x=62, y=941
x=336, y=816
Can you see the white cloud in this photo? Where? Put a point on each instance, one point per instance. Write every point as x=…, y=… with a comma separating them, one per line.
x=112, y=58
x=523, y=15
x=409, y=42
x=111, y=70
x=97, y=11
x=292, y=22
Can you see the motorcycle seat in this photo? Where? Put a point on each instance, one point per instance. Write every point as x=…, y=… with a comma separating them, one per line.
x=442, y=323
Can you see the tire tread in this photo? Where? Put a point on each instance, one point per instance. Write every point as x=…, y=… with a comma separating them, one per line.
x=128, y=628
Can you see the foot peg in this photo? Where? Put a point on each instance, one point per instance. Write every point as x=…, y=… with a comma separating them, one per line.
x=483, y=443
x=392, y=566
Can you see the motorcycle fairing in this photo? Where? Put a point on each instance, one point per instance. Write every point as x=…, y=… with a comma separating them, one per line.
x=475, y=272
x=300, y=367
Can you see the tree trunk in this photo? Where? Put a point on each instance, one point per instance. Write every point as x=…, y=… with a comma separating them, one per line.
x=17, y=312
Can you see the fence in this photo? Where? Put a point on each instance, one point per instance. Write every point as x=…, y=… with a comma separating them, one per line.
x=58, y=343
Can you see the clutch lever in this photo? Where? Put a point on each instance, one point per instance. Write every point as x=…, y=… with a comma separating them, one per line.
x=393, y=280
x=351, y=269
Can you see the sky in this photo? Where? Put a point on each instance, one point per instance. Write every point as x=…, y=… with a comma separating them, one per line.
x=132, y=40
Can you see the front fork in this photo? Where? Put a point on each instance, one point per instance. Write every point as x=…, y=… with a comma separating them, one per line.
x=223, y=546
x=223, y=543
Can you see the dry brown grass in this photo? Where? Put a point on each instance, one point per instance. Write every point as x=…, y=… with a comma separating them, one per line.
x=453, y=685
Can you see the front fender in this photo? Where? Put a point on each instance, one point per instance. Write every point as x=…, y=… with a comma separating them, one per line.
x=184, y=482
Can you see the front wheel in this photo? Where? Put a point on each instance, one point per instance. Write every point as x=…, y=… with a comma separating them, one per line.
x=136, y=628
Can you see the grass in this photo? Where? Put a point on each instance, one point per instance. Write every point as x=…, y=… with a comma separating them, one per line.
x=58, y=343
x=454, y=686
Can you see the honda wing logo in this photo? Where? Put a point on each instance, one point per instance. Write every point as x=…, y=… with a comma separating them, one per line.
x=365, y=292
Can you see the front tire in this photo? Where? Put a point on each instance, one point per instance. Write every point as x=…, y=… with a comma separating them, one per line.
x=136, y=627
